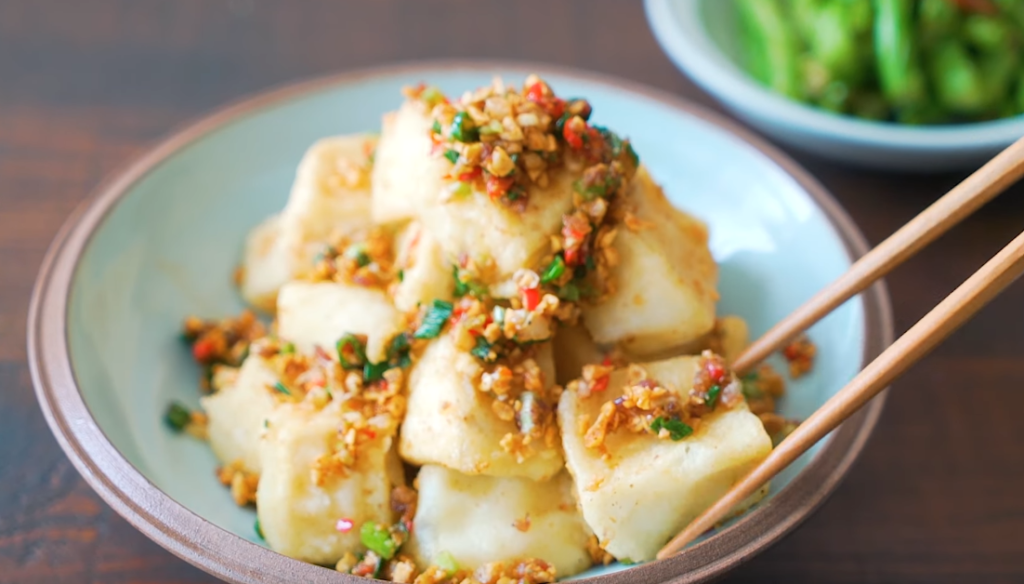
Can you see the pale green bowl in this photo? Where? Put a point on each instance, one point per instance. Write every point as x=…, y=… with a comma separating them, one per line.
x=160, y=241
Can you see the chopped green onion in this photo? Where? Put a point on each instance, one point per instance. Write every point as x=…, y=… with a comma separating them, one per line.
x=446, y=562
x=280, y=388
x=463, y=128
x=288, y=348
x=452, y=155
x=677, y=430
x=177, y=416
x=258, y=529
x=351, y=352
x=432, y=95
x=750, y=388
x=375, y=371
x=460, y=189
x=434, y=320
x=436, y=128
x=467, y=287
x=358, y=253
x=569, y=292
x=554, y=270
x=378, y=539
x=530, y=412
x=712, y=397
x=482, y=350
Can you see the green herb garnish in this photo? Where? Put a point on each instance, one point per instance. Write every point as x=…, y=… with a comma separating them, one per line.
x=258, y=529
x=280, y=388
x=434, y=320
x=288, y=349
x=677, y=429
x=177, y=416
x=451, y=155
x=436, y=128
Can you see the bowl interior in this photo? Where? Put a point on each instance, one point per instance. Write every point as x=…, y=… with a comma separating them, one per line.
x=168, y=248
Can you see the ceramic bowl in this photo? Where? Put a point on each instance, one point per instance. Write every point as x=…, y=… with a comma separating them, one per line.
x=700, y=37
x=160, y=239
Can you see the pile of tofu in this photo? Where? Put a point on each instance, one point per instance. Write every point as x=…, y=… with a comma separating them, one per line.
x=477, y=502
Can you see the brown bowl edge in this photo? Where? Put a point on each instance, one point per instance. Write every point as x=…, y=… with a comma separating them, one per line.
x=234, y=559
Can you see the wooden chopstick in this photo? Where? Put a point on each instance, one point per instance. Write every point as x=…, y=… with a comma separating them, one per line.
x=952, y=312
x=976, y=190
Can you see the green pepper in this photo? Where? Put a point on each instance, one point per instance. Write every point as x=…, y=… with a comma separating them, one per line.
x=378, y=539
x=957, y=78
x=899, y=71
x=770, y=49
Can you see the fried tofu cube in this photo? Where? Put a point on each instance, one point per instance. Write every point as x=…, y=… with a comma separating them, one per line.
x=298, y=510
x=481, y=519
x=449, y=421
x=649, y=488
x=665, y=280
x=313, y=314
x=492, y=234
x=237, y=412
x=406, y=176
x=331, y=194
x=426, y=276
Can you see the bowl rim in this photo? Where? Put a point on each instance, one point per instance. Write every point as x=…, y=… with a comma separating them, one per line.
x=235, y=559
x=686, y=45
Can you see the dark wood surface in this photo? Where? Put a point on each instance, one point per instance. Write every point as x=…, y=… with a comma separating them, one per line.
x=87, y=84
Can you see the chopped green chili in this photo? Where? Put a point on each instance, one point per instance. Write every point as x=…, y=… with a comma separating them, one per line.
x=677, y=429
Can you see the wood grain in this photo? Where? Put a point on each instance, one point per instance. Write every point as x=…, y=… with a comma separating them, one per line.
x=86, y=84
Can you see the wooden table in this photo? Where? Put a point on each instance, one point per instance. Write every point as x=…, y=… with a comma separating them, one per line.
x=87, y=84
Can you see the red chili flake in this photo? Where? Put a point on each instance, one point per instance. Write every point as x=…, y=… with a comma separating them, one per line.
x=535, y=92
x=203, y=350
x=471, y=175
x=572, y=256
x=572, y=137
x=607, y=361
x=531, y=298
x=498, y=186
x=370, y=434
x=600, y=384
x=715, y=371
x=556, y=107
x=344, y=525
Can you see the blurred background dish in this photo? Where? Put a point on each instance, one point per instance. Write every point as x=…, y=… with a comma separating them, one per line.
x=916, y=85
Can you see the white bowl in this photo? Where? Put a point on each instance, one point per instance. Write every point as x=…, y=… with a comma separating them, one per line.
x=699, y=36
